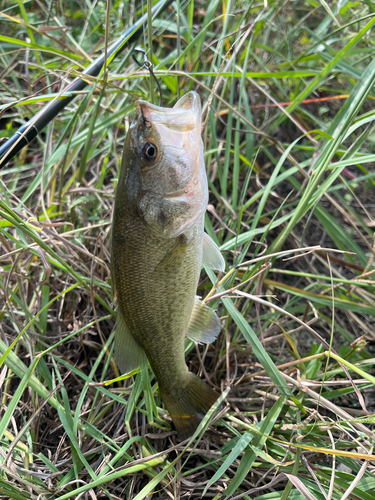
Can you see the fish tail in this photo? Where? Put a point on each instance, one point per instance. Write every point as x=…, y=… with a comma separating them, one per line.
x=191, y=406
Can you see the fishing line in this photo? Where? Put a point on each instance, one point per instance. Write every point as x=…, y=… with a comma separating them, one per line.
x=27, y=132
x=144, y=31
x=147, y=64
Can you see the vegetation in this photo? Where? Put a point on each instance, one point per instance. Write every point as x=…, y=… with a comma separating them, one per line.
x=288, y=149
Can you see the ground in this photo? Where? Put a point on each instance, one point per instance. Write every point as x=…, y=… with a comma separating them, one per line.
x=289, y=158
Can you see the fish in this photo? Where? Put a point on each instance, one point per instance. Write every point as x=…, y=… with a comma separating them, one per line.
x=158, y=247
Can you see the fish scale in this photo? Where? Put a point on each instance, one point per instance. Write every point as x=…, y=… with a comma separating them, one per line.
x=158, y=245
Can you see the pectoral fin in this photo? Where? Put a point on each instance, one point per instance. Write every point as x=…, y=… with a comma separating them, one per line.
x=204, y=325
x=174, y=257
x=212, y=257
x=129, y=355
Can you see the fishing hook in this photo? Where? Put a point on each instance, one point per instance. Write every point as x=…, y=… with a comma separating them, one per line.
x=148, y=65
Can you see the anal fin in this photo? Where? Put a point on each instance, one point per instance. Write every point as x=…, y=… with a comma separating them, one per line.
x=129, y=355
x=204, y=325
x=212, y=257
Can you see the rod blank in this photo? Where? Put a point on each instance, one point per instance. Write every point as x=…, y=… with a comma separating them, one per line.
x=27, y=132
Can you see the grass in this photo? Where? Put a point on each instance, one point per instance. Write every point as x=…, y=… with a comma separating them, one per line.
x=289, y=156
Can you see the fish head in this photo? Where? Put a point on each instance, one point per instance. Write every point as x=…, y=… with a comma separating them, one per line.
x=168, y=144
x=164, y=151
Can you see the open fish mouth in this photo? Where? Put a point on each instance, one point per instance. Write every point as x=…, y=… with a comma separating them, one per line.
x=184, y=116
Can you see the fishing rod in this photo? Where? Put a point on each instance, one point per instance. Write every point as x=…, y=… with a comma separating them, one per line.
x=27, y=132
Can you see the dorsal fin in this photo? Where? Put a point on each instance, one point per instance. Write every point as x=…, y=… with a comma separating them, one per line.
x=204, y=325
x=212, y=257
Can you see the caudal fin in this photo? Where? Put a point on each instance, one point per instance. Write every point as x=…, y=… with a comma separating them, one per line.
x=191, y=406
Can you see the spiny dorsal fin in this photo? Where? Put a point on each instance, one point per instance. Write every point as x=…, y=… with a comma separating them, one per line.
x=212, y=257
x=129, y=355
x=204, y=325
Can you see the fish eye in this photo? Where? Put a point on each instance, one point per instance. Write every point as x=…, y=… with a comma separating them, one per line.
x=149, y=151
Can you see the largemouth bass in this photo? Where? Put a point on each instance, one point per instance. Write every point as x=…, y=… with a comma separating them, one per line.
x=158, y=246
